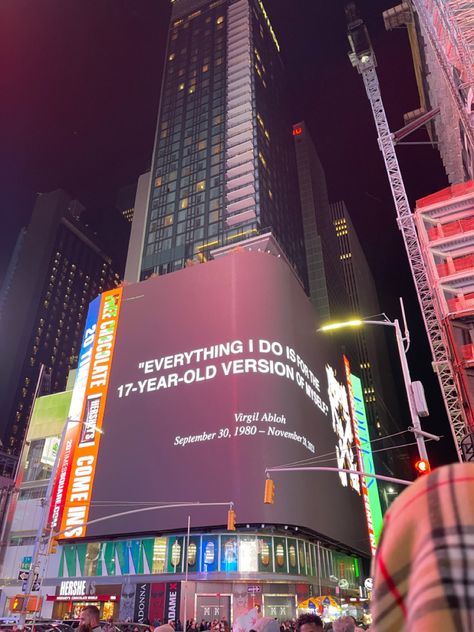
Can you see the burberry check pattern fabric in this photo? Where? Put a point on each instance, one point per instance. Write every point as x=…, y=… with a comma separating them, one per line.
x=424, y=566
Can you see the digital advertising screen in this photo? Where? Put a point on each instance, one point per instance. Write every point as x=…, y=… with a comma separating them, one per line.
x=198, y=381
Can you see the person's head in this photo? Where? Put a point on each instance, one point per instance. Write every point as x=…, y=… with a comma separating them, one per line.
x=309, y=623
x=344, y=624
x=90, y=615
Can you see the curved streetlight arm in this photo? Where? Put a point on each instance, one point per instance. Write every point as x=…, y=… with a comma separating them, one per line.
x=120, y=514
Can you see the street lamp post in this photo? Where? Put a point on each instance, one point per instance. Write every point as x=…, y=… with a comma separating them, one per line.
x=416, y=429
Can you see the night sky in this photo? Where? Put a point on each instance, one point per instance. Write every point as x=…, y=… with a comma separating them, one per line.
x=80, y=83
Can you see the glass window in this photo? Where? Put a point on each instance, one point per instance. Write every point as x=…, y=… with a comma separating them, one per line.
x=280, y=555
x=302, y=557
x=159, y=555
x=265, y=554
x=248, y=555
x=31, y=494
x=92, y=557
x=209, y=553
x=176, y=553
x=193, y=550
x=22, y=541
x=292, y=558
x=229, y=553
x=40, y=461
x=209, y=559
x=201, y=186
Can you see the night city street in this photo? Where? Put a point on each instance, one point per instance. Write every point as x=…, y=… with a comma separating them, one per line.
x=236, y=315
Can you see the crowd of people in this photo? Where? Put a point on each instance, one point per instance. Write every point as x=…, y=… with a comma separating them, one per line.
x=314, y=623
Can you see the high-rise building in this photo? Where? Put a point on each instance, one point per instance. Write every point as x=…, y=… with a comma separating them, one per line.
x=125, y=202
x=223, y=167
x=137, y=232
x=377, y=376
x=61, y=269
x=327, y=289
x=10, y=273
x=342, y=285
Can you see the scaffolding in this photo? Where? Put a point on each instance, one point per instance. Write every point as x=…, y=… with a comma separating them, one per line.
x=442, y=42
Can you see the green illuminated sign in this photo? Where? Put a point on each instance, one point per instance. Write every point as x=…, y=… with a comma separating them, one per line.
x=366, y=450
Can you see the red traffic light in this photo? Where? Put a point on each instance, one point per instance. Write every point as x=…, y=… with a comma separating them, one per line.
x=422, y=466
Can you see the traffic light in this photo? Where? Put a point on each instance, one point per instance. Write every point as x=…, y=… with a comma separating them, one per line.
x=16, y=604
x=422, y=466
x=53, y=546
x=231, y=520
x=269, y=495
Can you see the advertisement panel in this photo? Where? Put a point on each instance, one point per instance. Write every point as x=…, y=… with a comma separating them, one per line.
x=217, y=373
x=81, y=479
x=367, y=458
x=360, y=462
x=73, y=417
x=142, y=603
x=172, y=601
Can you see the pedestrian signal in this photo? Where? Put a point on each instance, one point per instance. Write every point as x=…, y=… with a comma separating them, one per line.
x=269, y=495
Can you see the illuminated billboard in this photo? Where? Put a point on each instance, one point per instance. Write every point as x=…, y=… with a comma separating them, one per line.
x=367, y=460
x=217, y=372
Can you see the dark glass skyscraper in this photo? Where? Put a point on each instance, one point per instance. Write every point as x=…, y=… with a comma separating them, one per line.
x=59, y=270
x=342, y=287
x=223, y=167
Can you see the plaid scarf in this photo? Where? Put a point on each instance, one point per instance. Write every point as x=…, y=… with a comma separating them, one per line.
x=424, y=566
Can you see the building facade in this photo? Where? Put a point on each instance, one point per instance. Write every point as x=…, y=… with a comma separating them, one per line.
x=223, y=168
x=279, y=556
x=125, y=202
x=440, y=36
x=342, y=286
x=60, y=270
x=445, y=223
x=380, y=400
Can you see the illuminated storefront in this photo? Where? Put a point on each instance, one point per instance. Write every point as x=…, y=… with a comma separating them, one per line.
x=227, y=573
x=71, y=596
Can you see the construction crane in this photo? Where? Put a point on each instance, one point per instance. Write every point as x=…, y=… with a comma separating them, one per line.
x=363, y=58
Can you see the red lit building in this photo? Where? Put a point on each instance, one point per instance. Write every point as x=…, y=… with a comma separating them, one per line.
x=445, y=222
